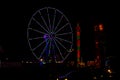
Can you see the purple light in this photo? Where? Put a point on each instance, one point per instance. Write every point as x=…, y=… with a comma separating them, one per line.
x=45, y=36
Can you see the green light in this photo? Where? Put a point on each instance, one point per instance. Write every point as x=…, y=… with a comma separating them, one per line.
x=78, y=59
x=78, y=37
x=78, y=48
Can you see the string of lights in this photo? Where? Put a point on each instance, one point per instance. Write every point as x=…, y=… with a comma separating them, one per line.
x=78, y=43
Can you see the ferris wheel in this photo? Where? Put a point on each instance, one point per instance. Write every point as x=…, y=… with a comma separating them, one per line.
x=50, y=35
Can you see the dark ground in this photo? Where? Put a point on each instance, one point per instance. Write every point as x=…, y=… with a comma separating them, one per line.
x=54, y=71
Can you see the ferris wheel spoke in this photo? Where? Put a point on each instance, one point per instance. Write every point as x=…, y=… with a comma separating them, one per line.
x=44, y=49
x=63, y=40
x=64, y=33
x=53, y=48
x=58, y=49
x=54, y=20
x=38, y=45
x=58, y=23
x=49, y=48
x=40, y=24
x=66, y=56
x=44, y=21
x=36, y=30
x=49, y=20
x=62, y=27
x=35, y=38
x=60, y=44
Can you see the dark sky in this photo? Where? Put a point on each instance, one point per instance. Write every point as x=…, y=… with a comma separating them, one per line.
x=16, y=15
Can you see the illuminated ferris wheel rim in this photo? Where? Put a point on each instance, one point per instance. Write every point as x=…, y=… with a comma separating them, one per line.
x=50, y=32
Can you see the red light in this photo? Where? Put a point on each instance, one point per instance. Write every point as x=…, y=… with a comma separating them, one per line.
x=78, y=42
x=78, y=53
x=78, y=33
x=78, y=27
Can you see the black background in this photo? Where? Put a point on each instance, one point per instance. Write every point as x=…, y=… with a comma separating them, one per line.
x=15, y=16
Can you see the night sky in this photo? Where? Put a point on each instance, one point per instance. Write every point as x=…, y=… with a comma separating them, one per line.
x=16, y=15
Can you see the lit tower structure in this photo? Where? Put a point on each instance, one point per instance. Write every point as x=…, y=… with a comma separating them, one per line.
x=78, y=44
x=99, y=44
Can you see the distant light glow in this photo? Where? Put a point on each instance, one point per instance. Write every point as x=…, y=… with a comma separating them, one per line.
x=27, y=62
x=110, y=76
x=95, y=28
x=109, y=71
x=41, y=59
x=31, y=62
x=94, y=77
x=99, y=43
x=101, y=75
x=101, y=27
x=6, y=58
x=22, y=61
x=96, y=42
x=66, y=79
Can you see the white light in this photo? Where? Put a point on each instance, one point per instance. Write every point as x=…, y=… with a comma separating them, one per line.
x=26, y=61
x=22, y=61
x=6, y=58
x=110, y=76
x=66, y=79
x=109, y=71
x=101, y=75
x=57, y=79
x=41, y=59
x=30, y=62
x=95, y=77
